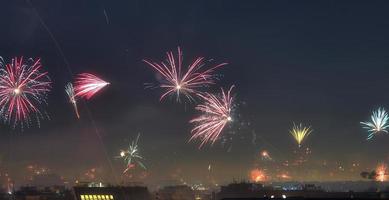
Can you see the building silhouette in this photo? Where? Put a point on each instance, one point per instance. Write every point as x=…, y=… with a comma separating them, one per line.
x=112, y=193
x=179, y=192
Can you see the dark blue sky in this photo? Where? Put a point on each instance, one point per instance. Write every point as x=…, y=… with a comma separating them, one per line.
x=323, y=63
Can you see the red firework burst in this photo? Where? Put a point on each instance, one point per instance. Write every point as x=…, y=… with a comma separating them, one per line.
x=175, y=80
x=216, y=113
x=23, y=88
x=87, y=85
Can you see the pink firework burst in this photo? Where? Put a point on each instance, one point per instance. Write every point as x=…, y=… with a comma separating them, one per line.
x=87, y=85
x=23, y=88
x=189, y=81
x=216, y=113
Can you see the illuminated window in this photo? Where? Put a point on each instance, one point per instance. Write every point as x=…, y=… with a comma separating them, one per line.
x=96, y=197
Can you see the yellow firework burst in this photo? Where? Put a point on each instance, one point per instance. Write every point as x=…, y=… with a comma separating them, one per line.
x=300, y=132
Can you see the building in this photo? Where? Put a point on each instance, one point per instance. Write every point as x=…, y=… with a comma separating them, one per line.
x=179, y=192
x=112, y=193
x=33, y=193
x=239, y=190
x=47, y=182
x=307, y=191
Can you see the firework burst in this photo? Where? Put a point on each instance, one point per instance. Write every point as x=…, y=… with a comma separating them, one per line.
x=216, y=113
x=265, y=155
x=284, y=176
x=23, y=89
x=381, y=172
x=132, y=156
x=299, y=133
x=258, y=175
x=87, y=85
x=72, y=98
x=378, y=124
x=188, y=82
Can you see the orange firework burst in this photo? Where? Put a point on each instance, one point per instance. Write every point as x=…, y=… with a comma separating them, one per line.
x=381, y=171
x=284, y=176
x=257, y=175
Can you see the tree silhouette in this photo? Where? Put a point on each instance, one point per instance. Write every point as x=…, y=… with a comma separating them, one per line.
x=369, y=175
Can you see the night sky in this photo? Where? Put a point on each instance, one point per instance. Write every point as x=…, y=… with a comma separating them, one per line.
x=322, y=63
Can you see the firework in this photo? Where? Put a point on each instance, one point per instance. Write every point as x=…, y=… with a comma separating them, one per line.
x=216, y=113
x=91, y=173
x=23, y=89
x=257, y=175
x=87, y=85
x=284, y=176
x=72, y=99
x=379, y=123
x=265, y=155
x=299, y=132
x=189, y=81
x=381, y=172
x=132, y=156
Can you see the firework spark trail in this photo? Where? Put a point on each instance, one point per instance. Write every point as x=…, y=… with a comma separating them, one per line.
x=132, y=155
x=187, y=82
x=216, y=113
x=379, y=123
x=87, y=85
x=23, y=89
x=72, y=99
x=299, y=132
x=67, y=64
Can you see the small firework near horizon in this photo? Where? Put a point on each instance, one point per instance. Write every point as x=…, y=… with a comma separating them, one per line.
x=215, y=114
x=284, y=176
x=381, y=172
x=265, y=155
x=258, y=175
x=131, y=156
x=23, y=90
x=378, y=124
x=87, y=85
x=179, y=80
